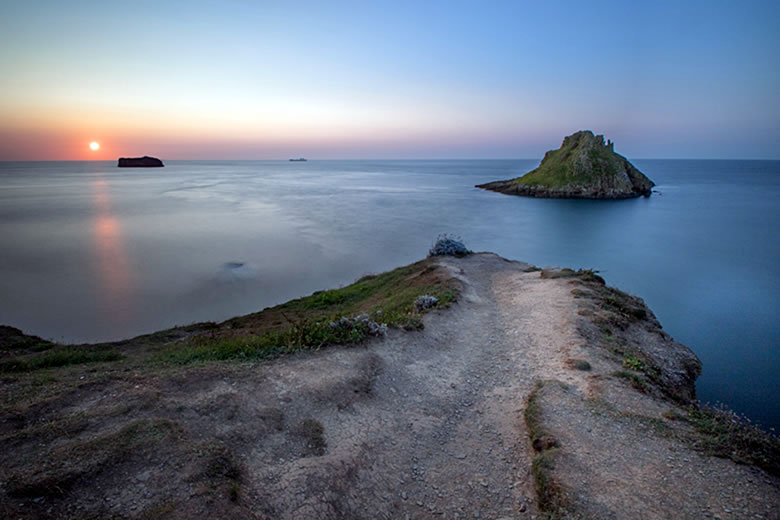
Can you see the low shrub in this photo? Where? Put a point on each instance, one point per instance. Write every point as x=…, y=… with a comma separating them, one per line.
x=425, y=301
x=448, y=245
x=724, y=433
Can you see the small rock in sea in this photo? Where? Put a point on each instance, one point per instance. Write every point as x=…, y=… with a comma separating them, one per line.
x=139, y=162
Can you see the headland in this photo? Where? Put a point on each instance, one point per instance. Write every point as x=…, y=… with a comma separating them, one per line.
x=452, y=387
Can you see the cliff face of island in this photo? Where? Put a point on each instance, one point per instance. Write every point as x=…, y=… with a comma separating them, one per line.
x=584, y=167
x=140, y=162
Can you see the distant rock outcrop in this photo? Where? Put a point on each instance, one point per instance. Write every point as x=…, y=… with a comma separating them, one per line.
x=584, y=167
x=140, y=162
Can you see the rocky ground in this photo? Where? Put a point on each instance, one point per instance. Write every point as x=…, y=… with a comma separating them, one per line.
x=537, y=395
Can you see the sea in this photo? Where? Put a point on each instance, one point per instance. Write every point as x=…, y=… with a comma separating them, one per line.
x=90, y=252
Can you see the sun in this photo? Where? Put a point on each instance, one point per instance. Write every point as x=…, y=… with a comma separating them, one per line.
x=94, y=146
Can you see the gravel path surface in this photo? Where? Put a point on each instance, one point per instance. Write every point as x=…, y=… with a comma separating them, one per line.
x=441, y=432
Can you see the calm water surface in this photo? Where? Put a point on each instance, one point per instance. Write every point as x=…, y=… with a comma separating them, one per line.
x=91, y=252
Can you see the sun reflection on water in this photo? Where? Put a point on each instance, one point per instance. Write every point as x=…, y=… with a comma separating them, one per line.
x=112, y=263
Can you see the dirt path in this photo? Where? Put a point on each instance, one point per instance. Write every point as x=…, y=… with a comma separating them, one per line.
x=427, y=424
x=441, y=430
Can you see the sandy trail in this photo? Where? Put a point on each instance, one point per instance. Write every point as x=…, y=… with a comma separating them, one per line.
x=441, y=431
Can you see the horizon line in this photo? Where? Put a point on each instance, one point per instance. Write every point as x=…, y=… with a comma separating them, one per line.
x=406, y=159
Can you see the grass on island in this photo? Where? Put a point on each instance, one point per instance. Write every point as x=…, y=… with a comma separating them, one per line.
x=558, y=168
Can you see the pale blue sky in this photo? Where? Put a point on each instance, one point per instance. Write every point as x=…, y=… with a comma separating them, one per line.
x=390, y=79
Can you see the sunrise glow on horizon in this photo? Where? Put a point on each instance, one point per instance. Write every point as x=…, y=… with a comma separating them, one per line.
x=438, y=80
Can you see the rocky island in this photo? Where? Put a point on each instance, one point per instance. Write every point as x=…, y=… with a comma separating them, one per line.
x=584, y=167
x=140, y=162
x=481, y=388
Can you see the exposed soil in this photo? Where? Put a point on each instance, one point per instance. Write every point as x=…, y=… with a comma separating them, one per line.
x=424, y=424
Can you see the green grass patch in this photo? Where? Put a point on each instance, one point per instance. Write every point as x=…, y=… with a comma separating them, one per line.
x=303, y=336
x=586, y=275
x=723, y=433
x=533, y=413
x=632, y=362
x=562, y=166
x=57, y=358
x=392, y=292
x=541, y=440
x=636, y=380
x=14, y=341
x=625, y=304
x=549, y=493
x=323, y=318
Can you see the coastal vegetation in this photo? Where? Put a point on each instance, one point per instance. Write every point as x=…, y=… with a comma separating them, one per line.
x=334, y=317
x=722, y=432
x=340, y=316
x=448, y=245
x=549, y=492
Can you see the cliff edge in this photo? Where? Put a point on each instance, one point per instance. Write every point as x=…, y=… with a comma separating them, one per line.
x=503, y=391
x=584, y=167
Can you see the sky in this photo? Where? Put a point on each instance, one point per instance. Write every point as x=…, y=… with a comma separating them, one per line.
x=395, y=79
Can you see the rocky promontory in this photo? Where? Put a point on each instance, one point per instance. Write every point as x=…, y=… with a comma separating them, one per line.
x=140, y=162
x=461, y=386
x=584, y=167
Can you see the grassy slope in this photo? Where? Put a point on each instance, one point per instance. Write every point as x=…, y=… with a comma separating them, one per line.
x=296, y=325
x=305, y=323
x=558, y=166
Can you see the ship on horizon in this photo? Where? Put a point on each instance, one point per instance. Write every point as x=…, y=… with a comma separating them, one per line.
x=299, y=159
